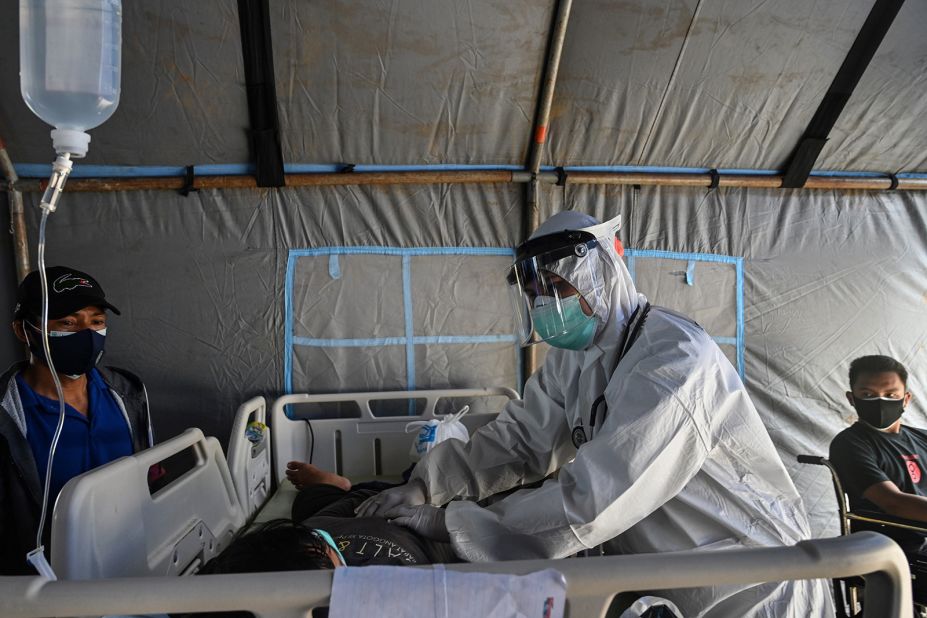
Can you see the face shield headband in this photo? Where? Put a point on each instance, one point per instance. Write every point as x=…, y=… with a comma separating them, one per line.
x=557, y=286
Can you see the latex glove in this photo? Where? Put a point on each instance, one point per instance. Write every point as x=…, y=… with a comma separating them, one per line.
x=425, y=519
x=410, y=494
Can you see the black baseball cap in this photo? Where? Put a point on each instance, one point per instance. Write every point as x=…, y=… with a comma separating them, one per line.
x=69, y=290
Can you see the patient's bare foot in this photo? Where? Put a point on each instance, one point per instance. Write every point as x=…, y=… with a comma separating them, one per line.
x=303, y=474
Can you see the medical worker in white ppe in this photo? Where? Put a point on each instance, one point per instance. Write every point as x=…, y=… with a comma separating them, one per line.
x=656, y=444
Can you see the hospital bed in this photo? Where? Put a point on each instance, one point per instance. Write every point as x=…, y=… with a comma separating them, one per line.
x=134, y=543
x=591, y=582
x=358, y=435
x=108, y=523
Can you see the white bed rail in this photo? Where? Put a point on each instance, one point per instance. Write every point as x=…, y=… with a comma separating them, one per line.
x=591, y=582
x=250, y=462
x=107, y=523
x=367, y=446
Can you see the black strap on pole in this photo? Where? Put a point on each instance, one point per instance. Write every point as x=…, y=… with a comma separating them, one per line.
x=835, y=99
x=189, y=179
x=257, y=53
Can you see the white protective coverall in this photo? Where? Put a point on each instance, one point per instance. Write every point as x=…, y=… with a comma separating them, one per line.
x=680, y=461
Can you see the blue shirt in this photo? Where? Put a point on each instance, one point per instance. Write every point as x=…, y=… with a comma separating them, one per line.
x=86, y=442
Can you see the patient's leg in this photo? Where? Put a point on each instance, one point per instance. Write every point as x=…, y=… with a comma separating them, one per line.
x=303, y=474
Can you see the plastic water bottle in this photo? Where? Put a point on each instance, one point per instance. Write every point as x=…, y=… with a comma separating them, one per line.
x=70, y=54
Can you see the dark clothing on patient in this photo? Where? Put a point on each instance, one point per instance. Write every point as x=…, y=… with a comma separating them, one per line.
x=365, y=540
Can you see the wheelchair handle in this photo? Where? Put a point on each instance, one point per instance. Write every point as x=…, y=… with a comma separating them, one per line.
x=812, y=459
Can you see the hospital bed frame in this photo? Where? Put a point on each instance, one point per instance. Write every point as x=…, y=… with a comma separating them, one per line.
x=367, y=446
x=171, y=534
x=363, y=446
x=109, y=523
x=591, y=582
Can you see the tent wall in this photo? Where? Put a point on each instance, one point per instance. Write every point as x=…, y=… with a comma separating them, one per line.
x=231, y=293
x=828, y=277
x=202, y=282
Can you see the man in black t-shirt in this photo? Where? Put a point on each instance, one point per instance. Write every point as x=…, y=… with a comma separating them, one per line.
x=881, y=463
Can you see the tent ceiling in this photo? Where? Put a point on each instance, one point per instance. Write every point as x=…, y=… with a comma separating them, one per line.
x=398, y=83
x=694, y=83
x=183, y=93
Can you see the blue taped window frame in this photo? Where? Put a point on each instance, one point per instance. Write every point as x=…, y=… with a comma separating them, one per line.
x=409, y=340
x=738, y=262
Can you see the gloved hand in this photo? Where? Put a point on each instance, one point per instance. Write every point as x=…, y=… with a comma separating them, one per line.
x=410, y=494
x=425, y=519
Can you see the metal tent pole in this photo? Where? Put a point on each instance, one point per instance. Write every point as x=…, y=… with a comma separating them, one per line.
x=17, y=218
x=536, y=148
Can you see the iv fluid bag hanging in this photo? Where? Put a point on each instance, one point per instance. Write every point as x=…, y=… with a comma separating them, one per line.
x=70, y=54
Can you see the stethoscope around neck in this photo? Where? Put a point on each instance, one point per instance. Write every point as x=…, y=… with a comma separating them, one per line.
x=631, y=332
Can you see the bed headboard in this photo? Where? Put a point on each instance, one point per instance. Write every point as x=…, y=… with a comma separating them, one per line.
x=249, y=462
x=107, y=523
x=365, y=445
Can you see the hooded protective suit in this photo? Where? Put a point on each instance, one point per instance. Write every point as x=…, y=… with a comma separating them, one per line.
x=680, y=460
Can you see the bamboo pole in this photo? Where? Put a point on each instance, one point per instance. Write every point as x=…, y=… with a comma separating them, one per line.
x=175, y=183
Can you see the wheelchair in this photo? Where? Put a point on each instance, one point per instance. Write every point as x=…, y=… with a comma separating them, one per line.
x=848, y=593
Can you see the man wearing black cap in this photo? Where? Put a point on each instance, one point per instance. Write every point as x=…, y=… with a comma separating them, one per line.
x=106, y=414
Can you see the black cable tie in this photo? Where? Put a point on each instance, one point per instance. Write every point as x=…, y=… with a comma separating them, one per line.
x=715, y=178
x=346, y=168
x=188, y=180
x=894, y=184
x=561, y=176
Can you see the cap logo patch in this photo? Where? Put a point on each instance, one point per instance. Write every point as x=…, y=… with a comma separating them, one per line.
x=66, y=283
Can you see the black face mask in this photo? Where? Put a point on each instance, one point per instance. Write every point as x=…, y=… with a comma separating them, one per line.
x=74, y=354
x=879, y=412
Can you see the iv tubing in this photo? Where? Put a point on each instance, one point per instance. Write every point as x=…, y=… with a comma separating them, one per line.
x=51, y=368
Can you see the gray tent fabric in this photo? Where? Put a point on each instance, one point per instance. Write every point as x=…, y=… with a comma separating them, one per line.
x=201, y=282
x=405, y=83
x=828, y=277
x=697, y=83
x=867, y=135
x=703, y=84
x=231, y=293
x=183, y=96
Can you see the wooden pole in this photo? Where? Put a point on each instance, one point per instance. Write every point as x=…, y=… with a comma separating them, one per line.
x=175, y=183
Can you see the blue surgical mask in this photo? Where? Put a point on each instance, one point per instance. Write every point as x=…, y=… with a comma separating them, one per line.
x=73, y=353
x=330, y=542
x=579, y=328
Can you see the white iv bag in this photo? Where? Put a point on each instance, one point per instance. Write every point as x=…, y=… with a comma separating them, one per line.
x=70, y=54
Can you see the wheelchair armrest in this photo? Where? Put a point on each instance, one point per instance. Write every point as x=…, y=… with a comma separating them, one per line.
x=878, y=517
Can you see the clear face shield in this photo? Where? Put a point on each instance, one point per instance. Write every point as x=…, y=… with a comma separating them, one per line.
x=541, y=283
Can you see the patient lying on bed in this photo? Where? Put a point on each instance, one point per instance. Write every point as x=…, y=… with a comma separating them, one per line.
x=326, y=502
